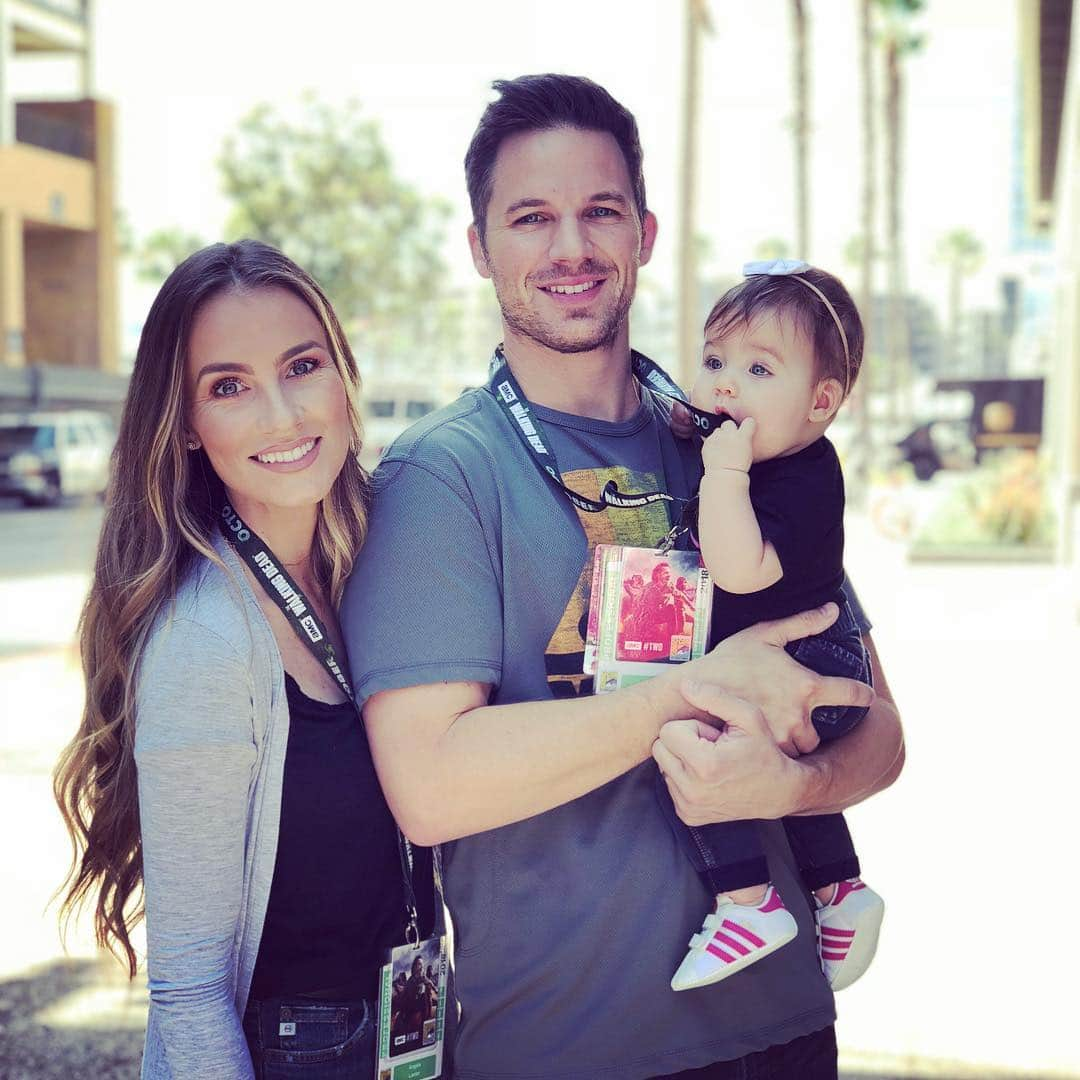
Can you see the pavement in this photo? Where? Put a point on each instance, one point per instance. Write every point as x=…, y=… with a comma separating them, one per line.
x=974, y=974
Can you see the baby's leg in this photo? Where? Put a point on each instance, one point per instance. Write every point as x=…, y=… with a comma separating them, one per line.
x=748, y=920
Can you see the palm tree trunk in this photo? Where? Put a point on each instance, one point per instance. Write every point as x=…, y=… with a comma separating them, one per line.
x=688, y=330
x=862, y=393
x=801, y=84
x=898, y=358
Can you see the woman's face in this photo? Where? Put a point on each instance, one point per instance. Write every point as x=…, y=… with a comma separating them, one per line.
x=265, y=399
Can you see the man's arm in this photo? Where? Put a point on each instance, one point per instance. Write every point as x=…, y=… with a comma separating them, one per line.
x=496, y=764
x=743, y=773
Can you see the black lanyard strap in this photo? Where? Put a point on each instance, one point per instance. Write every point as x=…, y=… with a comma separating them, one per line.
x=506, y=390
x=308, y=627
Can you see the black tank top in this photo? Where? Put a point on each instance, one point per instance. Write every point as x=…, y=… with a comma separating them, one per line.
x=337, y=900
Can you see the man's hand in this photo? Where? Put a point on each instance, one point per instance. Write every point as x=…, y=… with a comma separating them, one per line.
x=754, y=666
x=734, y=774
x=730, y=447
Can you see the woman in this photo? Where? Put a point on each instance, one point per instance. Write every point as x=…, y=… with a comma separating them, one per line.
x=219, y=764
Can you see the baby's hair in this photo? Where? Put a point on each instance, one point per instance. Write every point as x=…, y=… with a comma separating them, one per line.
x=760, y=294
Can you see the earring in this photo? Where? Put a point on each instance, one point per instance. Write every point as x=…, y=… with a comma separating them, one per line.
x=193, y=444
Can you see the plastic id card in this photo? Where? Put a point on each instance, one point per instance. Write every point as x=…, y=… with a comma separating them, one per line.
x=412, y=1012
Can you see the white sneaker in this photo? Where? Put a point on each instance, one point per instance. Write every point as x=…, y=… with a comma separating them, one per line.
x=734, y=937
x=848, y=927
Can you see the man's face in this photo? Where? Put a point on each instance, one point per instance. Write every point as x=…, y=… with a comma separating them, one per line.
x=563, y=240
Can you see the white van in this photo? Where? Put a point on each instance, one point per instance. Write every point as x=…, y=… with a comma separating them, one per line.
x=388, y=408
x=45, y=456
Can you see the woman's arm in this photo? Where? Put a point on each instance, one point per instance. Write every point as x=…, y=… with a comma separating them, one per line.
x=195, y=755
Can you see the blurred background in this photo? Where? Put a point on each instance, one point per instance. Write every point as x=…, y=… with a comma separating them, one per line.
x=923, y=150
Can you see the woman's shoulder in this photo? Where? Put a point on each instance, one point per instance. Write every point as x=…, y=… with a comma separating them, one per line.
x=213, y=611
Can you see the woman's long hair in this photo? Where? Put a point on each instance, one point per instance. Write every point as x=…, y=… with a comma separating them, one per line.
x=160, y=518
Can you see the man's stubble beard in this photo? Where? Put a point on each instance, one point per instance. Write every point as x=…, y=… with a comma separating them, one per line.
x=526, y=322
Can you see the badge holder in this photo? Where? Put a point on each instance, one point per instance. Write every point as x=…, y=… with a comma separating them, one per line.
x=412, y=997
x=412, y=1011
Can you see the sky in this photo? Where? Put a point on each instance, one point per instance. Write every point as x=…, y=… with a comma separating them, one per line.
x=182, y=75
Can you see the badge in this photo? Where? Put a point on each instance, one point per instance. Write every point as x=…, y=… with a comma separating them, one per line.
x=647, y=608
x=412, y=1012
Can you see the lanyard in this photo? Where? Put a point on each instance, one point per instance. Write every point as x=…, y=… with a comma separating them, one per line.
x=507, y=392
x=296, y=608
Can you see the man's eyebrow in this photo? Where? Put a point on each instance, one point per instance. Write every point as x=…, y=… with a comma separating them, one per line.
x=610, y=196
x=523, y=204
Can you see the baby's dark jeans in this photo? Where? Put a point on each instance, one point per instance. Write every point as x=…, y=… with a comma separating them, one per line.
x=728, y=855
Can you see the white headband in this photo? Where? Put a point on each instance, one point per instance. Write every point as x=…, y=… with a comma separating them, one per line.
x=794, y=268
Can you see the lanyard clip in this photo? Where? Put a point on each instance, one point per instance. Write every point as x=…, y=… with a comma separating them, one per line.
x=412, y=928
x=670, y=540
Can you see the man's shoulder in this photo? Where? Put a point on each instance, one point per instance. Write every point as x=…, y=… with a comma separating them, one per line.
x=467, y=425
x=459, y=445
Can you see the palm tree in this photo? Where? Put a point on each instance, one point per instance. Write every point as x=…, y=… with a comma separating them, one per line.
x=861, y=251
x=962, y=252
x=801, y=125
x=899, y=40
x=696, y=22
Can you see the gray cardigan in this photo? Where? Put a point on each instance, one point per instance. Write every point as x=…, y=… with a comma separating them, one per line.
x=212, y=725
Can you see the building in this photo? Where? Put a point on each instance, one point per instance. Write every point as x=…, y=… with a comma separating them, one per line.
x=1050, y=33
x=59, y=322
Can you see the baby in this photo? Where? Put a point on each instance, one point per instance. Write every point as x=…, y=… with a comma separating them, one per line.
x=782, y=350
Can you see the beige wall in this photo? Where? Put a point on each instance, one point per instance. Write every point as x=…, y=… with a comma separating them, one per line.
x=58, y=259
x=12, y=302
x=37, y=183
x=61, y=298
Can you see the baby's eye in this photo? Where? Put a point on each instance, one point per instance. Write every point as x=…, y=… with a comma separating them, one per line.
x=713, y=363
x=757, y=368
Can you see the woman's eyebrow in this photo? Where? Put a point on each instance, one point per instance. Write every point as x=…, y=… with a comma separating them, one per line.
x=227, y=365
x=292, y=350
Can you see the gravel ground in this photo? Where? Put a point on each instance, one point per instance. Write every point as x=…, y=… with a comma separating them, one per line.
x=71, y=1020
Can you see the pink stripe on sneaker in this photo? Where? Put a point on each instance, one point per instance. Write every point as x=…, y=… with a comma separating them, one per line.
x=738, y=946
x=772, y=903
x=831, y=931
x=735, y=928
x=845, y=889
x=711, y=948
x=833, y=956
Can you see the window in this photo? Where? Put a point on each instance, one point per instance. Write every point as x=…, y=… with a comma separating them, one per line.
x=415, y=409
x=381, y=408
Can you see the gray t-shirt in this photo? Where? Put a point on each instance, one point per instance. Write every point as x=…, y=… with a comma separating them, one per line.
x=569, y=924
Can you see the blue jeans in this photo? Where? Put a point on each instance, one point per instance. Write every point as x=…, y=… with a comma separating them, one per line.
x=310, y=1039
x=728, y=855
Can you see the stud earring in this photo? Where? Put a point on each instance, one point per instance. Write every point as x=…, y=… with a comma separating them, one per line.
x=193, y=444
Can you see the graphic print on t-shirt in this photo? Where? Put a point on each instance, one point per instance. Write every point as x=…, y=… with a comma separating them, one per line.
x=643, y=526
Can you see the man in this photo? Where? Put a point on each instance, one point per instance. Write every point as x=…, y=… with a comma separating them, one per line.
x=464, y=620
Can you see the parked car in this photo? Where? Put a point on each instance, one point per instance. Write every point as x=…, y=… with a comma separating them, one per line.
x=46, y=456
x=388, y=408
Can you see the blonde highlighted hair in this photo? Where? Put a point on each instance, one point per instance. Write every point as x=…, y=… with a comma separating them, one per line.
x=160, y=518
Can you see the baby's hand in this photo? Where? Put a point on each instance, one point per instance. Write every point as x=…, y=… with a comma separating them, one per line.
x=681, y=424
x=730, y=446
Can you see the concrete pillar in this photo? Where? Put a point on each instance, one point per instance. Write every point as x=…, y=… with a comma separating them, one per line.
x=12, y=291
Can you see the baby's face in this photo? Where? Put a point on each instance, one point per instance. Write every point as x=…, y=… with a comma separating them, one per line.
x=766, y=371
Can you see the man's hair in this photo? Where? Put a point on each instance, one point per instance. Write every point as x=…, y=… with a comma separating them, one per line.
x=540, y=103
x=761, y=294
